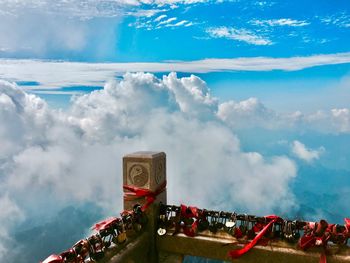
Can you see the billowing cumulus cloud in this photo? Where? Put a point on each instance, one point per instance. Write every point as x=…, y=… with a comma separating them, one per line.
x=246, y=114
x=9, y=216
x=252, y=113
x=53, y=158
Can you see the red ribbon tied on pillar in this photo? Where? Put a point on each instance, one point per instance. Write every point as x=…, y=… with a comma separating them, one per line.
x=136, y=193
x=234, y=254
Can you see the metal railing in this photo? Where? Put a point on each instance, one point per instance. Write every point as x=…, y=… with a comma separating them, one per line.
x=149, y=230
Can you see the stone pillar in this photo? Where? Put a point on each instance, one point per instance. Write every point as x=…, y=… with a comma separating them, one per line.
x=146, y=170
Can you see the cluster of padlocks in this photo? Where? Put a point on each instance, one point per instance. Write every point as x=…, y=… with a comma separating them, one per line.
x=110, y=232
x=192, y=221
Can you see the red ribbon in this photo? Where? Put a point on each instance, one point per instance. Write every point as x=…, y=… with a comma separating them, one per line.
x=347, y=224
x=53, y=258
x=239, y=252
x=103, y=224
x=323, y=258
x=136, y=193
x=190, y=212
x=316, y=237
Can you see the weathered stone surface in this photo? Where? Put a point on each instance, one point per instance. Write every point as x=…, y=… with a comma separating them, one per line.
x=217, y=246
x=144, y=170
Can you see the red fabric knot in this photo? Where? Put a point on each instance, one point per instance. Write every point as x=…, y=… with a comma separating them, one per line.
x=189, y=212
x=347, y=224
x=105, y=223
x=234, y=254
x=53, y=259
x=316, y=234
x=136, y=193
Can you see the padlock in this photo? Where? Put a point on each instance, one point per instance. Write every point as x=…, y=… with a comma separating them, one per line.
x=161, y=231
x=276, y=231
x=121, y=234
x=107, y=244
x=295, y=231
x=213, y=223
x=174, y=221
x=289, y=232
x=96, y=252
x=69, y=256
x=81, y=248
x=121, y=237
x=137, y=227
x=203, y=224
x=137, y=209
x=237, y=232
x=230, y=224
x=221, y=221
x=188, y=221
x=244, y=225
x=250, y=234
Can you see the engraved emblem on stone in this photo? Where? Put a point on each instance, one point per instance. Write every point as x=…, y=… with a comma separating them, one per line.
x=159, y=172
x=138, y=175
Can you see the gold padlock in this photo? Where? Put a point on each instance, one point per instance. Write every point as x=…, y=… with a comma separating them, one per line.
x=121, y=238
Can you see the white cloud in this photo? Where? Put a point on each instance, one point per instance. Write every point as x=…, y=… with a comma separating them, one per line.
x=341, y=119
x=332, y=121
x=147, y=13
x=281, y=22
x=246, y=114
x=169, y=20
x=159, y=18
x=72, y=156
x=9, y=216
x=89, y=9
x=304, y=153
x=243, y=35
x=66, y=26
x=339, y=20
x=58, y=73
x=252, y=113
x=160, y=22
x=180, y=23
x=56, y=31
x=173, y=2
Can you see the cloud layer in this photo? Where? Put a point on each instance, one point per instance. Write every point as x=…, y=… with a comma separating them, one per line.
x=69, y=157
x=57, y=73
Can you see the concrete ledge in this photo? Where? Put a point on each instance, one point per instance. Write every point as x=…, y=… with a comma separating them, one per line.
x=136, y=250
x=210, y=246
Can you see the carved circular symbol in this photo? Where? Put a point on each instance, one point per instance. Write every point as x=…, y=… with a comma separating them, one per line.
x=159, y=172
x=138, y=175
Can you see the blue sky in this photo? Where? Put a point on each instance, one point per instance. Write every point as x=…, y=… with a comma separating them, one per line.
x=259, y=88
x=157, y=31
x=118, y=31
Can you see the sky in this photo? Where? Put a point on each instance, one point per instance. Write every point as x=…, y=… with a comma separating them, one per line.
x=249, y=100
